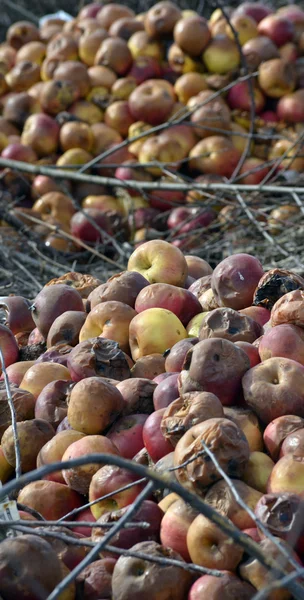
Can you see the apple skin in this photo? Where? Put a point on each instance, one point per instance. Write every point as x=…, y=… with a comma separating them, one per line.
x=286, y=476
x=208, y=369
x=278, y=430
x=215, y=155
x=275, y=388
x=278, y=29
x=239, y=97
x=127, y=434
x=108, y=479
x=153, y=331
x=109, y=320
x=293, y=444
x=277, y=77
x=209, y=547
x=256, y=10
x=53, y=500
x=9, y=346
x=6, y=470
x=54, y=450
x=41, y=133
x=220, y=497
x=155, y=443
x=258, y=471
x=258, y=313
x=19, y=318
x=166, y=392
x=234, y=280
x=226, y=587
x=175, y=358
x=290, y=107
x=251, y=351
x=17, y=370
x=283, y=341
x=174, y=527
x=163, y=295
x=159, y=262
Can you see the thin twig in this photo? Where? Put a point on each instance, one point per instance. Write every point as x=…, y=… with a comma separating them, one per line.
x=13, y=417
x=164, y=481
x=94, y=553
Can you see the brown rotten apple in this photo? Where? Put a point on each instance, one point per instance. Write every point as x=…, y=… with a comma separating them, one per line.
x=23, y=402
x=159, y=21
x=187, y=411
x=275, y=388
x=93, y=405
x=228, y=444
x=229, y=324
x=214, y=365
x=27, y=564
x=123, y=287
x=289, y=309
x=134, y=578
x=98, y=357
x=221, y=498
x=152, y=101
x=210, y=115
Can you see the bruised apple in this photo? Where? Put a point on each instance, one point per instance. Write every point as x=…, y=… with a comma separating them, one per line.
x=275, y=388
x=93, y=405
x=187, y=411
x=135, y=578
x=284, y=341
x=278, y=430
x=79, y=478
x=234, y=280
x=221, y=498
x=214, y=365
x=53, y=500
x=228, y=444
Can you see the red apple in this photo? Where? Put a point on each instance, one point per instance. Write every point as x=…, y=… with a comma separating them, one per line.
x=127, y=434
x=155, y=443
x=278, y=29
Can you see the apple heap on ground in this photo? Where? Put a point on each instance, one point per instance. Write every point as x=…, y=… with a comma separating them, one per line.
x=73, y=91
x=158, y=360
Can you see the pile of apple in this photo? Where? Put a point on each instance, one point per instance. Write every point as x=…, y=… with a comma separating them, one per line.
x=147, y=366
x=71, y=91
